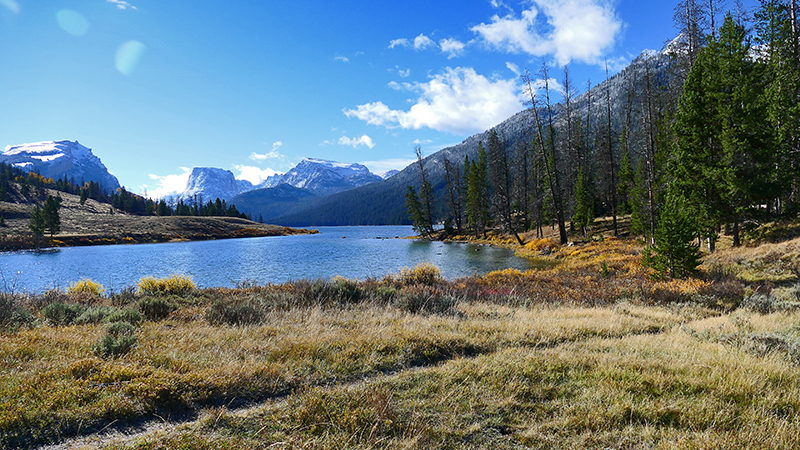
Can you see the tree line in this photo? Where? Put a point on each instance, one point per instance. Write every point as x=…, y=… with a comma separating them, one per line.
x=701, y=139
x=19, y=186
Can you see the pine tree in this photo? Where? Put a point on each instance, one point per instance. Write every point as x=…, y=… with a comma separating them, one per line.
x=416, y=213
x=51, y=217
x=675, y=253
x=37, y=222
x=584, y=207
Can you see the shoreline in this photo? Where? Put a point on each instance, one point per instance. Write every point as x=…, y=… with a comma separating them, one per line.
x=181, y=229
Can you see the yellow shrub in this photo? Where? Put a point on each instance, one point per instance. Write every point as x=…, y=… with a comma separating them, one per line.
x=425, y=273
x=541, y=244
x=172, y=285
x=86, y=285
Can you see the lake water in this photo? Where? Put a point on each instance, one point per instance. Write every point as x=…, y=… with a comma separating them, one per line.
x=352, y=252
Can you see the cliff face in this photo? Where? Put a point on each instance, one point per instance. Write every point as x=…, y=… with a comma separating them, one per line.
x=57, y=159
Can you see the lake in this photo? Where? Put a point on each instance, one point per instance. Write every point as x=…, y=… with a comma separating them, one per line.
x=352, y=252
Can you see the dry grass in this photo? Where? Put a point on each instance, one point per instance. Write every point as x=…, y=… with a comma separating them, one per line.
x=588, y=352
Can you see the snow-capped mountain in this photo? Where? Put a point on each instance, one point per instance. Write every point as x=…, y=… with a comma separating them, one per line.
x=323, y=177
x=317, y=176
x=388, y=173
x=56, y=159
x=210, y=183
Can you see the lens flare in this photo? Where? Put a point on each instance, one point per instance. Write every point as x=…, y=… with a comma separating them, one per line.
x=72, y=22
x=11, y=5
x=128, y=56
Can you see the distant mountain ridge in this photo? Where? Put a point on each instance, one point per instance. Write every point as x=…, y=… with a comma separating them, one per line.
x=311, y=177
x=57, y=159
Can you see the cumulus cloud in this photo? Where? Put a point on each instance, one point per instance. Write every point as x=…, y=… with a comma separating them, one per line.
x=272, y=154
x=342, y=59
x=422, y=141
x=422, y=42
x=404, y=73
x=254, y=175
x=121, y=4
x=402, y=42
x=168, y=185
x=357, y=142
x=458, y=101
x=452, y=47
x=580, y=30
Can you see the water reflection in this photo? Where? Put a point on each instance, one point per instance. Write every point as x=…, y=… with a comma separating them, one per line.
x=361, y=254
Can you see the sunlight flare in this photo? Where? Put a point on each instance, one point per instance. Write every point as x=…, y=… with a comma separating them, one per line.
x=128, y=56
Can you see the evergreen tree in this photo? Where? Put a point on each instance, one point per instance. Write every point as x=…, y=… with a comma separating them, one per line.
x=502, y=183
x=37, y=222
x=675, y=253
x=584, y=207
x=416, y=213
x=51, y=217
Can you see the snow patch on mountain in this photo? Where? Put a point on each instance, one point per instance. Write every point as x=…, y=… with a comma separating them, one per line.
x=210, y=183
x=324, y=177
x=57, y=159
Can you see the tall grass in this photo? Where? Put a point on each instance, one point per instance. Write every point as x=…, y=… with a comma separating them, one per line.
x=588, y=352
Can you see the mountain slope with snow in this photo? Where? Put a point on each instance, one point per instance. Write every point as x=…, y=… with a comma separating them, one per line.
x=210, y=183
x=57, y=159
x=323, y=177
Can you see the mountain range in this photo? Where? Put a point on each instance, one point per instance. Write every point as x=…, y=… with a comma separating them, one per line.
x=318, y=192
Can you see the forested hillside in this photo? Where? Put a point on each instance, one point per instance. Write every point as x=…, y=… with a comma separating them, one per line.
x=709, y=126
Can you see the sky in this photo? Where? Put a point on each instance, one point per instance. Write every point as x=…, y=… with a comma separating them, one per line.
x=157, y=87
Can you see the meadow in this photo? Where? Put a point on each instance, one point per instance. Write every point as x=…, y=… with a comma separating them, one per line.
x=587, y=351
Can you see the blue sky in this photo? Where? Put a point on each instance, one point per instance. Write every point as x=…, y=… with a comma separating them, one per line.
x=158, y=87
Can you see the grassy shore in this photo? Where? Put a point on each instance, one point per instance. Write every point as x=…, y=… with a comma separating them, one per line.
x=587, y=352
x=96, y=223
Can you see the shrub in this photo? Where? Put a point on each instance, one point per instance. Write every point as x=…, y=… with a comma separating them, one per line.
x=425, y=300
x=86, y=286
x=235, y=313
x=125, y=296
x=12, y=316
x=128, y=315
x=768, y=304
x=60, y=314
x=425, y=273
x=180, y=285
x=381, y=294
x=95, y=314
x=118, y=340
x=156, y=308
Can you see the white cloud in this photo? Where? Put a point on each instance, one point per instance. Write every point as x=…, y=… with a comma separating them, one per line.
x=458, y=101
x=342, y=59
x=422, y=42
x=121, y=4
x=514, y=68
x=357, y=142
x=273, y=154
x=453, y=47
x=254, y=175
x=168, y=185
x=422, y=141
x=581, y=30
x=404, y=73
x=403, y=42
